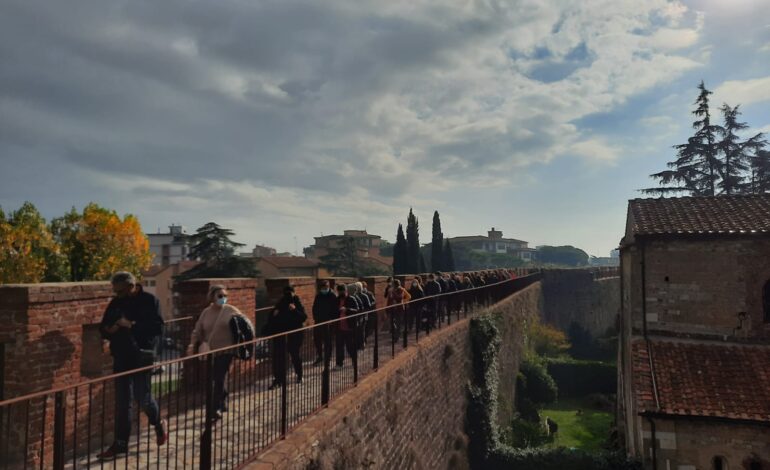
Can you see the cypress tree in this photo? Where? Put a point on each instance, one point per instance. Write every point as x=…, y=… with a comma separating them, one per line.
x=400, y=252
x=437, y=245
x=412, y=264
x=449, y=257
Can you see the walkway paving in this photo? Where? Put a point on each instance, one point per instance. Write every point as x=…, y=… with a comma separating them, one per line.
x=252, y=422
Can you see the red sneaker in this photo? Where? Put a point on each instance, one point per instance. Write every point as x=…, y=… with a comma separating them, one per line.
x=161, y=431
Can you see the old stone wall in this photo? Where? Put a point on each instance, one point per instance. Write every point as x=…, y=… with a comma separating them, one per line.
x=411, y=412
x=574, y=295
x=693, y=444
x=700, y=286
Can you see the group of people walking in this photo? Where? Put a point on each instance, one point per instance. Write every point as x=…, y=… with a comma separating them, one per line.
x=347, y=318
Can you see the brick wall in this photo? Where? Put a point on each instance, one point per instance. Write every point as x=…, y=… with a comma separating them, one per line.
x=573, y=295
x=691, y=444
x=42, y=327
x=411, y=412
x=700, y=286
x=51, y=339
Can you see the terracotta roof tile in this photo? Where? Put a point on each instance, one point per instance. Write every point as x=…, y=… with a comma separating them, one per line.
x=701, y=215
x=703, y=379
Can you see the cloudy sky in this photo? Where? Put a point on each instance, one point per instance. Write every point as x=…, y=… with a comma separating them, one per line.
x=287, y=119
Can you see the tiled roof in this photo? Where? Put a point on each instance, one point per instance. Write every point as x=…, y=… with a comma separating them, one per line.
x=701, y=215
x=703, y=379
x=290, y=262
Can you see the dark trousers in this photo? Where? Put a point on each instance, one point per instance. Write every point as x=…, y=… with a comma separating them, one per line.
x=127, y=389
x=221, y=367
x=346, y=340
x=322, y=339
x=281, y=345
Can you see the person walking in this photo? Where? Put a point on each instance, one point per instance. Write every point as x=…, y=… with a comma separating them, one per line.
x=346, y=326
x=132, y=323
x=212, y=331
x=324, y=309
x=397, y=298
x=288, y=314
x=414, y=315
x=432, y=288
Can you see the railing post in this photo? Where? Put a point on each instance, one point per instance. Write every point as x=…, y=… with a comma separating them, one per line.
x=206, y=438
x=284, y=390
x=405, y=324
x=59, y=417
x=376, y=355
x=325, y=378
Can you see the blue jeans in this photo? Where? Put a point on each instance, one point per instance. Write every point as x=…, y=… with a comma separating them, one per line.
x=127, y=389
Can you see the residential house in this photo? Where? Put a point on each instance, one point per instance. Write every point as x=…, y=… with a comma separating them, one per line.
x=286, y=266
x=495, y=243
x=159, y=281
x=693, y=386
x=367, y=246
x=169, y=248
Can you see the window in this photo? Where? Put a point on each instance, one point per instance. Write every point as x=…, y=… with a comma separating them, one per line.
x=719, y=463
x=766, y=302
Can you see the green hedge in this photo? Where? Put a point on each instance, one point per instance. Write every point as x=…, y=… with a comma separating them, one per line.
x=577, y=379
x=485, y=450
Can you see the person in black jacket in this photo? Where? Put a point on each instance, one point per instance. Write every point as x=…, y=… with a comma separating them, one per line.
x=324, y=309
x=132, y=323
x=431, y=306
x=345, y=328
x=289, y=314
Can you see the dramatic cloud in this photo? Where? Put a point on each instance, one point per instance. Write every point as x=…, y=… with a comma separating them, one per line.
x=295, y=110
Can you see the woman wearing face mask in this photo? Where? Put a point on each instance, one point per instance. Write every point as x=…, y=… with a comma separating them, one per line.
x=212, y=331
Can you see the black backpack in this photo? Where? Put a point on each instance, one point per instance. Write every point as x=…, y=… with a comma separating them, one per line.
x=243, y=334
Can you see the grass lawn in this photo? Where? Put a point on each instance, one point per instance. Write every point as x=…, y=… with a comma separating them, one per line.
x=587, y=431
x=164, y=387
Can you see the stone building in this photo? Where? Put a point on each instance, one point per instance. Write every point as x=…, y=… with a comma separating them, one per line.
x=169, y=248
x=693, y=380
x=495, y=243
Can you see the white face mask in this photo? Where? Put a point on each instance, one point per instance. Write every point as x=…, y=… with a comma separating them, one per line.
x=221, y=300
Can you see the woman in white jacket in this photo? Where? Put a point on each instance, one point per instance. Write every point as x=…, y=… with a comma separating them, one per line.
x=212, y=331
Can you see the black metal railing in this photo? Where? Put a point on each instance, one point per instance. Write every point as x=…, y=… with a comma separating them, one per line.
x=66, y=427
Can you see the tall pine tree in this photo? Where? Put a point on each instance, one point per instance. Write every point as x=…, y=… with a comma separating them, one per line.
x=760, y=172
x=449, y=257
x=400, y=253
x=696, y=168
x=437, y=245
x=413, y=264
x=736, y=152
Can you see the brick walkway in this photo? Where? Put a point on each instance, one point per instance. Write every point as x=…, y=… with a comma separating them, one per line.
x=251, y=424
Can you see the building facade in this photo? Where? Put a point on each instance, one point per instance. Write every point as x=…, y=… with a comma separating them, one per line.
x=495, y=243
x=169, y=248
x=286, y=266
x=694, y=343
x=159, y=281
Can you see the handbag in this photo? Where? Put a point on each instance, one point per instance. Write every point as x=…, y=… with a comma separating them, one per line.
x=146, y=357
x=204, y=347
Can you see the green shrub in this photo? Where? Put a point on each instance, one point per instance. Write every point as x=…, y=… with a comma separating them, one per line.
x=485, y=448
x=577, y=379
x=523, y=433
x=537, y=386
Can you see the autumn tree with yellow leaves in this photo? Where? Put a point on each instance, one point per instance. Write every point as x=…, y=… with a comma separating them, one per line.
x=26, y=246
x=97, y=242
x=75, y=247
